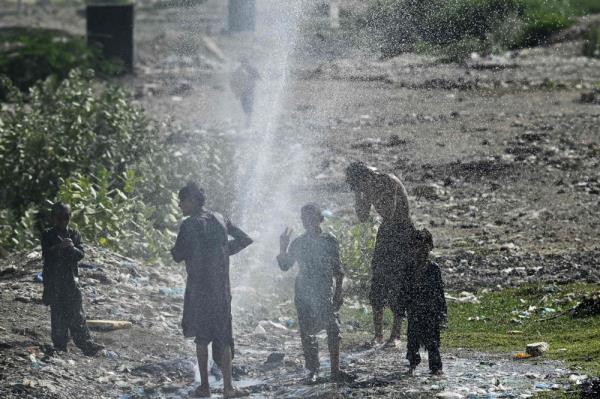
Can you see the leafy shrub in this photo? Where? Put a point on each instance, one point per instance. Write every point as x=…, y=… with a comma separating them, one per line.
x=85, y=144
x=397, y=25
x=64, y=128
x=18, y=231
x=357, y=244
x=117, y=218
x=591, y=44
x=543, y=18
x=30, y=55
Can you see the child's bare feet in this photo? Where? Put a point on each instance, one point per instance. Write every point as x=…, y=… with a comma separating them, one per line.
x=392, y=343
x=437, y=373
x=203, y=391
x=411, y=370
x=235, y=393
x=311, y=378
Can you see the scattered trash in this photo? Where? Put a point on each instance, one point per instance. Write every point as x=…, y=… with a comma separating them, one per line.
x=449, y=395
x=463, y=297
x=176, y=292
x=108, y=325
x=521, y=355
x=577, y=379
x=590, y=389
x=589, y=306
x=275, y=357
x=537, y=348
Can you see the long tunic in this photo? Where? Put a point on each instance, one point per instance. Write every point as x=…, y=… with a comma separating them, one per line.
x=60, y=267
x=204, y=245
x=319, y=262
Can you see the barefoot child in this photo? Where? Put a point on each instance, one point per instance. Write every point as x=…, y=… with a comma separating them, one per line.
x=316, y=297
x=61, y=251
x=204, y=245
x=427, y=307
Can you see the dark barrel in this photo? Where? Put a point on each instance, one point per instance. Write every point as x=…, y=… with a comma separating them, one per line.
x=111, y=28
x=242, y=15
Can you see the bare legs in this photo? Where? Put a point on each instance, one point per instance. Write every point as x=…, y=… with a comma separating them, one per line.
x=203, y=391
x=378, y=325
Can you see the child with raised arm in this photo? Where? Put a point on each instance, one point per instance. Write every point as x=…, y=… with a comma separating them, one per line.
x=427, y=311
x=317, y=297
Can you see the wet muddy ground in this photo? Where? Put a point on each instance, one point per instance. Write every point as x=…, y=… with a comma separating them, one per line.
x=499, y=156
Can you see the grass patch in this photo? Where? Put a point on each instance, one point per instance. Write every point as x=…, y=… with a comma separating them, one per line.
x=531, y=310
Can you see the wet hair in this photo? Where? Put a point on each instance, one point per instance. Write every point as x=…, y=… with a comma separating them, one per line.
x=425, y=240
x=60, y=208
x=357, y=172
x=312, y=207
x=194, y=192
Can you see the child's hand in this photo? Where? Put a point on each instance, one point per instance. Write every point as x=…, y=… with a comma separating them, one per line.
x=67, y=243
x=284, y=240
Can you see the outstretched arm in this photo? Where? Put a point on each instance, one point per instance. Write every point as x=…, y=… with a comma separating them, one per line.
x=240, y=239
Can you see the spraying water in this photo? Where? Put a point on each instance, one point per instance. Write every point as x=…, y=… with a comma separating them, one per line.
x=269, y=163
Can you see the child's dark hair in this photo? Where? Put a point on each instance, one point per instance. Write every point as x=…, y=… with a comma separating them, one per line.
x=193, y=192
x=312, y=207
x=60, y=208
x=357, y=172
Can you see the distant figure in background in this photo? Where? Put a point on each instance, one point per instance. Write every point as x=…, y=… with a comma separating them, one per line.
x=393, y=254
x=203, y=243
x=427, y=311
x=317, y=297
x=61, y=251
x=243, y=84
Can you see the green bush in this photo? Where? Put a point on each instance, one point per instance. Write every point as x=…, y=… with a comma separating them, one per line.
x=86, y=144
x=29, y=55
x=398, y=25
x=118, y=218
x=64, y=128
x=357, y=244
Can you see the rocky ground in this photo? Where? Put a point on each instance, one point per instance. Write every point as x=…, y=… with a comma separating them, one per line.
x=152, y=360
x=500, y=157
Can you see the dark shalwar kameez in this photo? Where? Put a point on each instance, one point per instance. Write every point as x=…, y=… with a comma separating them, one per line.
x=319, y=262
x=426, y=313
x=61, y=290
x=203, y=243
x=393, y=258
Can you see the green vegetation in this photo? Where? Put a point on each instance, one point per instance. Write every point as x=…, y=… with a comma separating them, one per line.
x=86, y=144
x=28, y=55
x=533, y=313
x=456, y=28
x=356, y=249
x=508, y=320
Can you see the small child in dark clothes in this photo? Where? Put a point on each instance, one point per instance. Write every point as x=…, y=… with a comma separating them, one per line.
x=317, y=299
x=61, y=251
x=427, y=310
